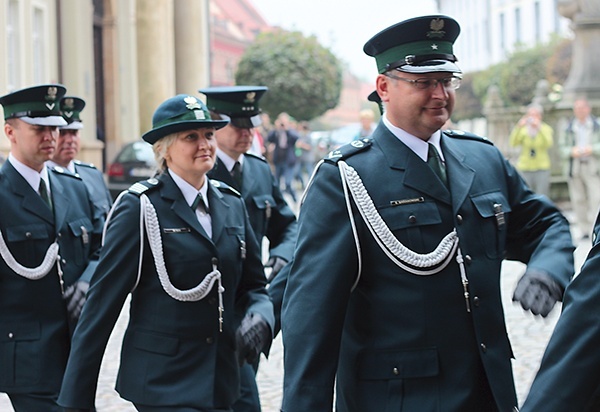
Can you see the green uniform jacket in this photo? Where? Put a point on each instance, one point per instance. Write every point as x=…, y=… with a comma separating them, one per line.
x=172, y=351
x=34, y=332
x=402, y=342
x=94, y=181
x=568, y=376
x=269, y=213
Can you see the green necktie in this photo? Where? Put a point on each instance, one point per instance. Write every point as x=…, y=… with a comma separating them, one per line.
x=434, y=161
x=236, y=173
x=199, y=203
x=43, y=191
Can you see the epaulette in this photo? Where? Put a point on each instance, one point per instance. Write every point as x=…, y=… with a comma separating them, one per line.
x=256, y=156
x=224, y=187
x=139, y=188
x=65, y=172
x=460, y=134
x=84, y=164
x=349, y=149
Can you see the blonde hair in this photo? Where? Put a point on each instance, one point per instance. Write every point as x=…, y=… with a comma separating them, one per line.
x=160, y=148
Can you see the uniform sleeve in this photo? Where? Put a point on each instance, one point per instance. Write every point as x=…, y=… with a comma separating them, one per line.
x=568, y=375
x=112, y=281
x=316, y=295
x=282, y=228
x=252, y=293
x=538, y=233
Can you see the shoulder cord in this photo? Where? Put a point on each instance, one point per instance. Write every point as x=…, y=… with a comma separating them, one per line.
x=149, y=221
x=392, y=247
x=37, y=273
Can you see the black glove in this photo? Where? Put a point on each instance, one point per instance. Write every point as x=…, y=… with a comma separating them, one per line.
x=75, y=296
x=276, y=263
x=251, y=337
x=537, y=292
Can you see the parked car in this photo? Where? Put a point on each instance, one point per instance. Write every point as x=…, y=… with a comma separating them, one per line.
x=134, y=162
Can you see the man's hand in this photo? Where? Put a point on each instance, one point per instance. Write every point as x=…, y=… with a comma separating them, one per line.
x=75, y=298
x=276, y=263
x=251, y=336
x=537, y=292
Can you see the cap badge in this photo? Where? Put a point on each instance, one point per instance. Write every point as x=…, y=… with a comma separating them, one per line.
x=434, y=46
x=69, y=103
x=192, y=103
x=68, y=114
x=199, y=115
x=250, y=97
x=436, y=27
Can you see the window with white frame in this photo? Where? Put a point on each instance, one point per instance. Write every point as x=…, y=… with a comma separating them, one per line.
x=38, y=45
x=13, y=47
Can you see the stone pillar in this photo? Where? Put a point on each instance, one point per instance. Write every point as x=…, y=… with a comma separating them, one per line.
x=156, y=56
x=584, y=76
x=191, y=46
x=78, y=72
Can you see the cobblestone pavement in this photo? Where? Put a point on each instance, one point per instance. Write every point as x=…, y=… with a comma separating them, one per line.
x=529, y=336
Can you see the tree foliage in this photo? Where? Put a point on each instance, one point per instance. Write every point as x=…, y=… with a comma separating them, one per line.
x=516, y=77
x=303, y=77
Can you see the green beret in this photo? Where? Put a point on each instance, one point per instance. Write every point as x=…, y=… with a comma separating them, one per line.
x=418, y=45
x=179, y=113
x=37, y=105
x=239, y=104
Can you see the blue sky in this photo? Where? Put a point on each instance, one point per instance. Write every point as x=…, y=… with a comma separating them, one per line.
x=343, y=26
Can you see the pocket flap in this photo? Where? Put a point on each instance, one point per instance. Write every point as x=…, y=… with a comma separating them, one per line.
x=19, y=331
x=26, y=232
x=77, y=225
x=486, y=203
x=418, y=363
x=150, y=342
x=262, y=200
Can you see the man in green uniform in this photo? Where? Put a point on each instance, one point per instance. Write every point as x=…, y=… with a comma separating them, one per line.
x=394, y=290
x=49, y=235
x=67, y=148
x=270, y=215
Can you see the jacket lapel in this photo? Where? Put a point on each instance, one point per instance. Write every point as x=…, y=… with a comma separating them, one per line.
x=171, y=193
x=460, y=174
x=30, y=199
x=218, y=211
x=60, y=201
x=417, y=174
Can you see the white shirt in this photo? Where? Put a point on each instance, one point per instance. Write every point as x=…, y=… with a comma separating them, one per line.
x=190, y=193
x=31, y=176
x=228, y=161
x=419, y=146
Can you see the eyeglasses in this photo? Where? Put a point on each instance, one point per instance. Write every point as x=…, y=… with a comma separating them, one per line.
x=448, y=83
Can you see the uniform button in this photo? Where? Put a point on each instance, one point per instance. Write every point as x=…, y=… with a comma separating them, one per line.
x=63, y=261
x=28, y=235
x=459, y=219
x=60, y=235
x=468, y=259
x=476, y=300
x=214, y=261
x=209, y=340
x=10, y=335
x=483, y=347
x=412, y=219
x=395, y=371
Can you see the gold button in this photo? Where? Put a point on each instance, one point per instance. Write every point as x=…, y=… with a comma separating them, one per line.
x=395, y=371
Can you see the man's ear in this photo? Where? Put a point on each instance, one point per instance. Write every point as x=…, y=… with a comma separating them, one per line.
x=382, y=84
x=9, y=131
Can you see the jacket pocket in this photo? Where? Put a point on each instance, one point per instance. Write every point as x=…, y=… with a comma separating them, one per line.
x=81, y=230
x=19, y=349
x=494, y=210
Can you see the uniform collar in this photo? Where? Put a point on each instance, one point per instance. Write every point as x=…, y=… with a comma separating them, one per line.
x=189, y=192
x=70, y=167
x=31, y=176
x=228, y=161
x=418, y=146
